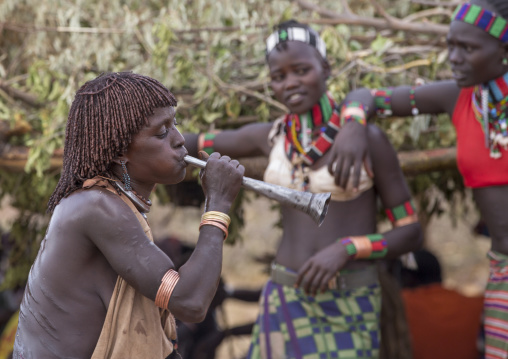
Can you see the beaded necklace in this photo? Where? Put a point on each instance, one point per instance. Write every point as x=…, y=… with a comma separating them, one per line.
x=309, y=136
x=490, y=105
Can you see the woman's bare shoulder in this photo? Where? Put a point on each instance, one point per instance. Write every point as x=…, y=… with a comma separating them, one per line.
x=95, y=204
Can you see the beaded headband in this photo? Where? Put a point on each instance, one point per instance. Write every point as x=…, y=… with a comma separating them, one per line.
x=296, y=34
x=484, y=19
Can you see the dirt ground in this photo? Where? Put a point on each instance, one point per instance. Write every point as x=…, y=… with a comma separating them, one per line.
x=460, y=251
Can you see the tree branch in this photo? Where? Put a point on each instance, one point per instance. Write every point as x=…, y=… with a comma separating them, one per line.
x=437, y=3
x=333, y=18
x=13, y=159
x=25, y=97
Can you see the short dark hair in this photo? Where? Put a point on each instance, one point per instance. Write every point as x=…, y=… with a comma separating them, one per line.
x=104, y=116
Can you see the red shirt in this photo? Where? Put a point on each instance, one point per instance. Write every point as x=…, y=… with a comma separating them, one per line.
x=473, y=158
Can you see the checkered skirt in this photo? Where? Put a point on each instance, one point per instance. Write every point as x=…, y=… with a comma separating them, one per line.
x=334, y=324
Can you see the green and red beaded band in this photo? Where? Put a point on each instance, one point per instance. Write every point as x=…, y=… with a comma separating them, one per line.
x=412, y=101
x=353, y=111
x=206, y=142
x=383, y=101
x=477, y=16
x=406, y=209
x=350, y=247
x=370, y=246
x=379, y=246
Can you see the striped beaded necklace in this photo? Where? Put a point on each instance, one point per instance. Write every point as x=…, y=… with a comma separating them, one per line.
x=309, y=136
x=490, y=106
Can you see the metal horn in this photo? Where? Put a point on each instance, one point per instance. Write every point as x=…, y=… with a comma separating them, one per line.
x=313, y=204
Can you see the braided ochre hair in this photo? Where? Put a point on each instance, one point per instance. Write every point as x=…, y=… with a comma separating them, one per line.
x=105, y=114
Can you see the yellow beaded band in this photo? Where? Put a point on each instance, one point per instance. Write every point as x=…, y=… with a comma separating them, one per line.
x=168, y=283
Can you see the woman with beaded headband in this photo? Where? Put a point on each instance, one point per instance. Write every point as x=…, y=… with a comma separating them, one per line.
x=476, y=101
x=100, y=287
x=323, y=297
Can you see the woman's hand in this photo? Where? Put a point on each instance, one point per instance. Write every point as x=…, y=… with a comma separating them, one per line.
x=221, y=180
x=350, y=151
x=318, y=270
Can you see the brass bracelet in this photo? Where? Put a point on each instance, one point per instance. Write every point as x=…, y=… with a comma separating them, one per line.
x=219, y=224
x=166, y=288
x=216, y=216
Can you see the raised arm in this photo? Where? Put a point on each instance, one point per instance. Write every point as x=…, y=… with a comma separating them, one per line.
x=349, y=151
x=118, y=235
x=249, y=140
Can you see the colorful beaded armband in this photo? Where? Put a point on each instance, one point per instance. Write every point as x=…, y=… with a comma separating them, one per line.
x=371, y=246
x=383, y=101
x=353, y=111
x=403, y=214
x=206, y=142
x=412, y=101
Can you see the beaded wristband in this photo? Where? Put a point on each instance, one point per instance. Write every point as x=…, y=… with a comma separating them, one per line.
x=371, y=246
x=206, y=142
x=403, y=214
x=412, y=101
x=165, y=290
x=383, y=101
x=353, y=111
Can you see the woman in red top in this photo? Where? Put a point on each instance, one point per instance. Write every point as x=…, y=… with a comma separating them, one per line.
x=476, y=101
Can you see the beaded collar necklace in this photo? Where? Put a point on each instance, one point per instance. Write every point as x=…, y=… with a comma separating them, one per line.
x=309, y=136
x=490, y=106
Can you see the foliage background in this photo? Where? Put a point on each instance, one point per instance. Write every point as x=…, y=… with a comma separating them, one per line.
x=210, y=53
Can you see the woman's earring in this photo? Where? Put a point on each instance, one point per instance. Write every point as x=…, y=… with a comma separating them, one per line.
x=126, y=178
x=505, y=61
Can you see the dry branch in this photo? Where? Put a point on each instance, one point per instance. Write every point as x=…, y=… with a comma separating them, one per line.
x=16, y=94
x=242, y=89
x=328, y=17
x=32, y=28
x=389, y=22
x=416, y=162
x=437, y=3
x=411, y=162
